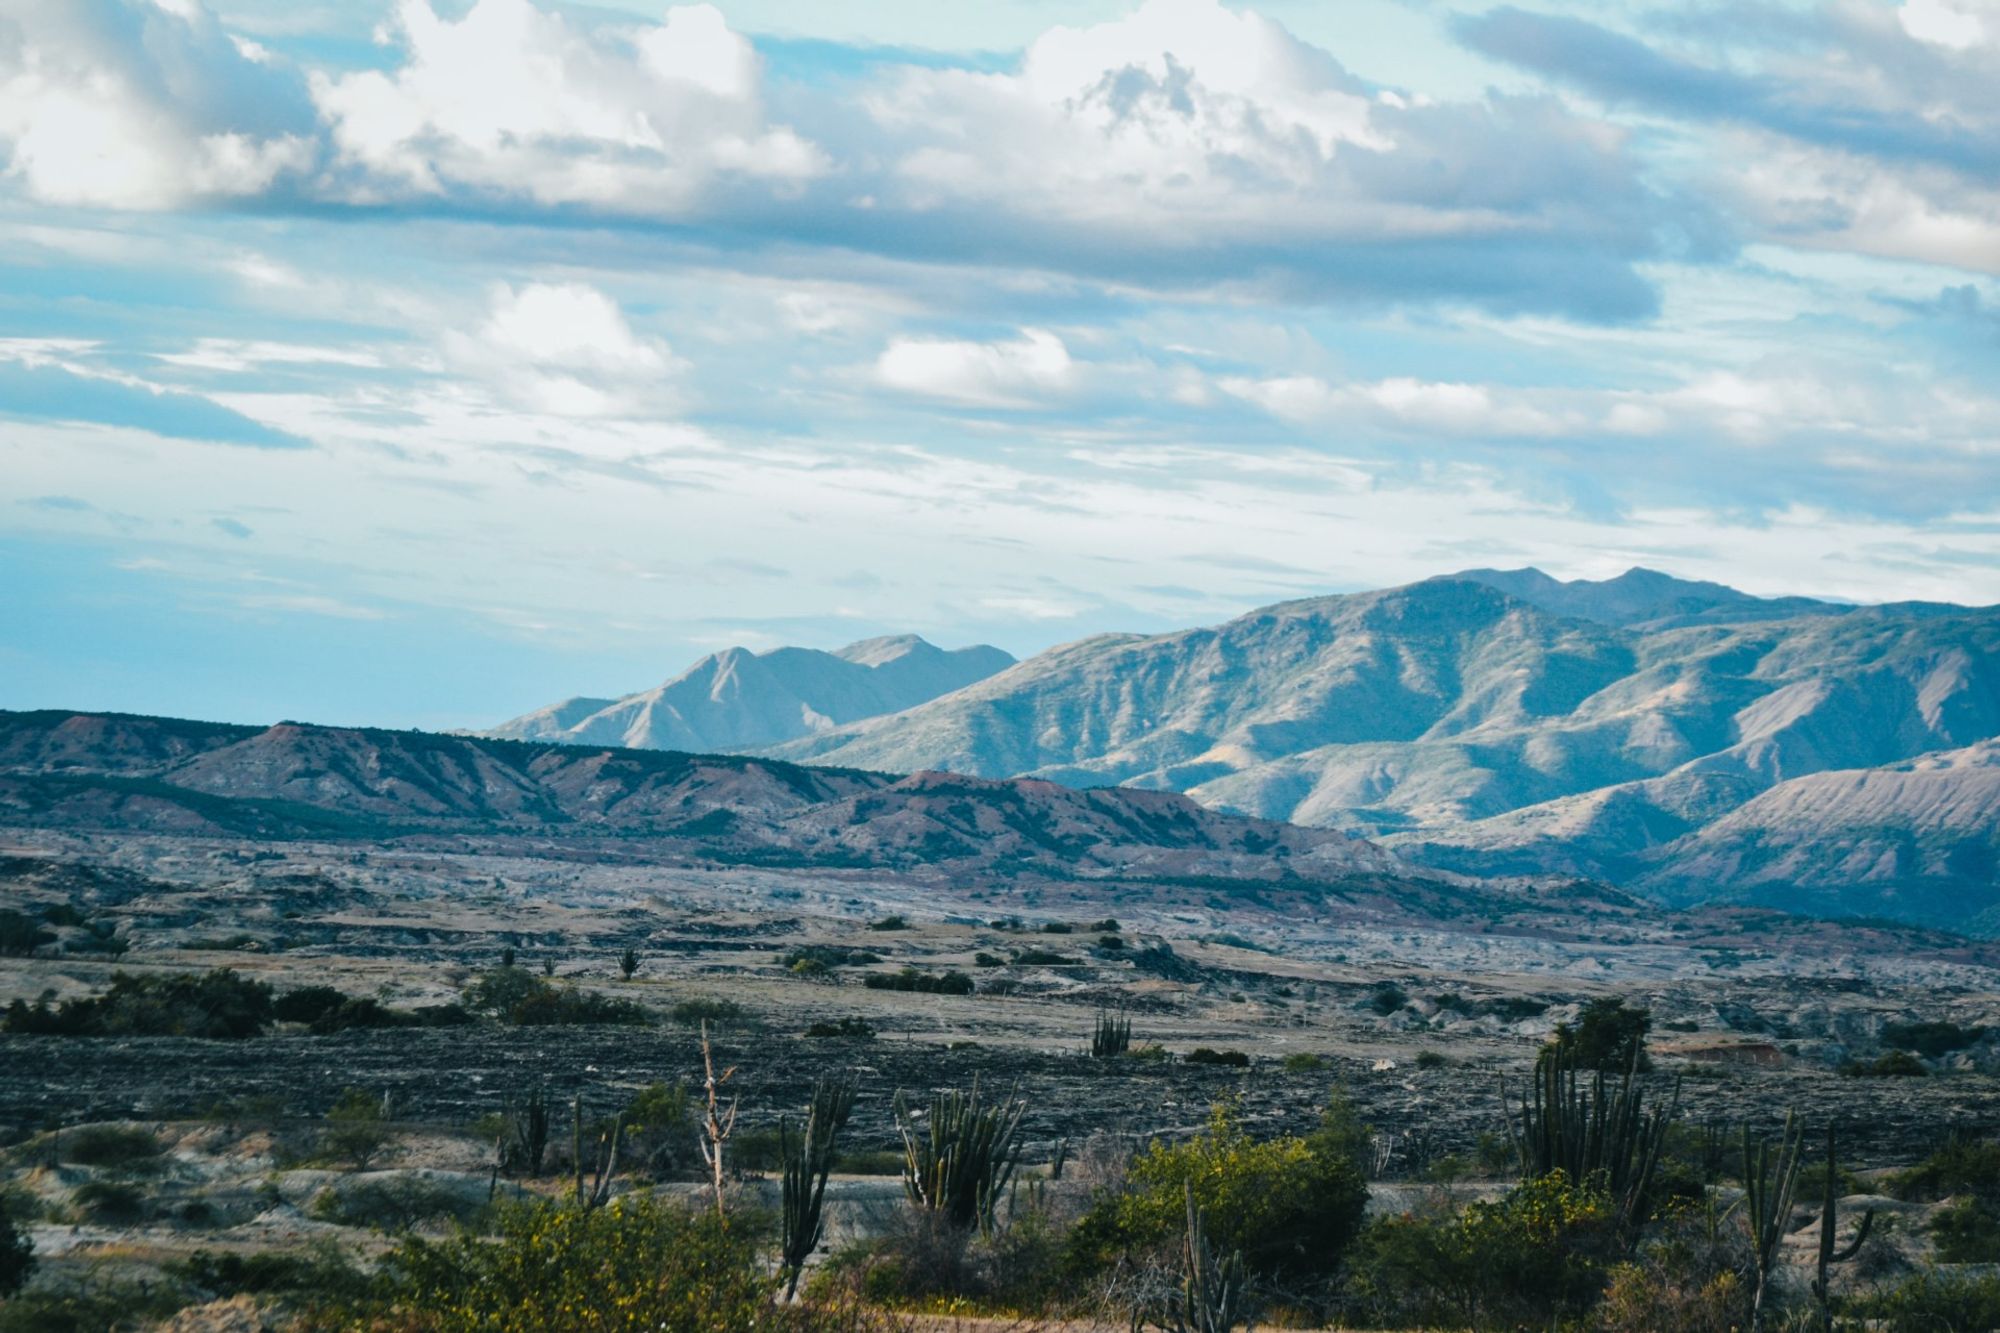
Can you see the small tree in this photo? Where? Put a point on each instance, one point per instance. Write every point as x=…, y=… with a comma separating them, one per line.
x=1607, y=1035
x=719, y=1123
x=506, y=955
x=354, y=1127
x=628, y=962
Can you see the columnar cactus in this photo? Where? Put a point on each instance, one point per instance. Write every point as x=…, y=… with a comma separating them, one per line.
x=959, y=1162
x=808, y=1162
x=1768, y=1190
x=1828, y=1222
x=1590, y=1130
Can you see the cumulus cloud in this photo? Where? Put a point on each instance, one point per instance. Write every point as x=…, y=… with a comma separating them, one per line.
x=1019, y=372
x=138, y=104
x=516, y=101
x=566, y=349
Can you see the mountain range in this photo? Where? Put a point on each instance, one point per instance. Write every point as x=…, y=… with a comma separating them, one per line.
x=114, y=772
x=739, y=700
x=1683, y=739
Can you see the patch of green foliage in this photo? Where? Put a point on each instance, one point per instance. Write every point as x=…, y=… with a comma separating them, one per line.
x=909, y=979
x=637, y=1263
x=217, y=1004
x=1933, y=1299
x=1932, y=1039
x=705, y=1009
x=1607, y=1035
x=850, y=1028
x=1292, y=1205
x=324, y=1273
x=1203, y=1055
x=1533, y=1259
x=113, y=1201
x=17, y=1254
x=1388, y=998
x=513, y=995
x=395, y=1203
x=893, y=922
x=1304, y=1062
x=92, y=1305
x=115, y=1146
x=1889, y=1064
x=22, y=934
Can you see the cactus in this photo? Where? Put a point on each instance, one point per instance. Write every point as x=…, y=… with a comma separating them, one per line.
x=959, y=1163
x=808, y=1161
x=1112, y=1036
x=526, y=1143
x=1591, y=1130
x=1768, y=1188
x=1211, y=1295
x=604, y=1159
x=1828, y=1223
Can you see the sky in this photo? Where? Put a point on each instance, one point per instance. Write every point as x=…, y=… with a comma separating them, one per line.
x=421, y=362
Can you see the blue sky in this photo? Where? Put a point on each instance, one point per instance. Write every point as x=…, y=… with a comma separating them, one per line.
x=420, y=362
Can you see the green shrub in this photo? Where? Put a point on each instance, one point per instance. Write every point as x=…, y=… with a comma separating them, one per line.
x=831, y=955
x=637, y=1263
x=909, y=979
x=1432, y=1060
x=1041, y=958
x=111, y=1201
x=1933, y=1300
x=849, y=1028
x=1111, y=943
x=1058, y=928
x=88, y=1307
x=324, y=1273
x=704, y=1009
x=1534, y=1258
x=395, y=1203
x=1203, y=1055
x=354, y=1128
x=217, y=1004
x=1388, y=998
x=1967, y=1231
x=1304, y=1062
x=22, y=934
x=985, y=959
x=111, y=1145
x=1292, y=1205
x=1889, y=1064
x=513, y=995
x=1606, y=1035
x=17, y=1254
x=1932, y=1039
x=307, y=1003
x=1961, y=1166
x=894, y=922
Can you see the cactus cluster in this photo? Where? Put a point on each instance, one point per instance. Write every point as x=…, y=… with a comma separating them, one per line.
x=1112, y=1035
x=959, y=1161
x=1592, y=1130
x=1212, y=1294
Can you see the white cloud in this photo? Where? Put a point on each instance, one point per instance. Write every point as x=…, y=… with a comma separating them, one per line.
x=568, y=350
x=517, y=101
x=1942, y=23
x=131, y=104
x=1020, y=372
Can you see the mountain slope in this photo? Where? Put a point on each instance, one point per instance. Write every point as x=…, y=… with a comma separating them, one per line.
x=292, y=780
x=1473, y=729
x=738, y=700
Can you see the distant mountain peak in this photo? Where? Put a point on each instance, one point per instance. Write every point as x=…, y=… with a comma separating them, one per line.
x=1639, y=596
x=736, y=699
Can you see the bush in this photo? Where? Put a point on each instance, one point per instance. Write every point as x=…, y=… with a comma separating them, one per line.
x=22, y=934
x=395, y=1203
x=1606, y=1035
x=1041, y=958
x=1202, y=1055
x=307, y=1003
x=512, y=995
x=1292, y=1205
x=217, y=1004
x=851, y=1028
x=324, y=1273
x=637, y=1263
x=895, y=922
x=1932, y=1300
x=716, y=1013
x=1889, y=1064
x=111, y=1201
x=1304, y=1062
x=1933, y=1039
x=111, y=1145
x=1961, y=1166
x=909, y=979
x=17, y=1255
x=354, y=1128
x=1432, y=1060
x=1109, y=926
x=1967, y=1231
x=1388, y=998
x=1534, y=1258
x=88, y=1309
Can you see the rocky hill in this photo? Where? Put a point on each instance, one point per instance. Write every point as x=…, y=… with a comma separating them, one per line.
x=1501, y=721
x=88, y=771
x=740, y=700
